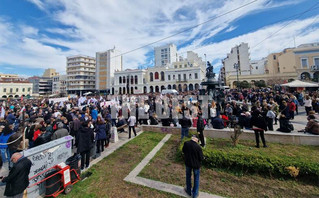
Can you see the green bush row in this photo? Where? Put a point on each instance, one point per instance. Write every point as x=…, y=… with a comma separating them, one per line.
x=256, y=163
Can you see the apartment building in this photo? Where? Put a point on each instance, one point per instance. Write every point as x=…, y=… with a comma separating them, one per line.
x=165, y=55
x=80, y=71
x=107, y=63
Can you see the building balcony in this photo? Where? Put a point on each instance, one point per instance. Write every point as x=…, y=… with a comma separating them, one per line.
x=181, y=81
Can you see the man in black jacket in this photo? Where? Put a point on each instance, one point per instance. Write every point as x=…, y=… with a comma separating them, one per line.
x=185, y=124
x=18, y=179
x=200, y=129
x=193, y=155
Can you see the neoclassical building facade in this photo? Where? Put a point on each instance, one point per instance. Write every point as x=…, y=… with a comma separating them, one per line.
x=182, y=75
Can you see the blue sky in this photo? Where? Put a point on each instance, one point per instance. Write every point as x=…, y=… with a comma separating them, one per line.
x=39, y=34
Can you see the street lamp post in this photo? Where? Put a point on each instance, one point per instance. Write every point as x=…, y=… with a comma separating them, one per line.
x=236, y=66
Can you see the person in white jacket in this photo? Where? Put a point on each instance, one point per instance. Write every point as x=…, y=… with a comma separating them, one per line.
x=270, y=116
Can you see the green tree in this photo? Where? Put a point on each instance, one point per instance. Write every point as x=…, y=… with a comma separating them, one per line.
x=260, y=83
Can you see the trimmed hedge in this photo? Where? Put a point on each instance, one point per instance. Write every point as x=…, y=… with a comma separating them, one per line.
x=233, y=159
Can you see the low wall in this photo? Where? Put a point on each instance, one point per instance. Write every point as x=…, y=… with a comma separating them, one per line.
x=270, y=136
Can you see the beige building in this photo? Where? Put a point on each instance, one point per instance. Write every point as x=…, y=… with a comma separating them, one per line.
x=80, y=72
x=15, y=89
x=301, y=62
x=106, y=64
x=49, y=73
x=8, y=76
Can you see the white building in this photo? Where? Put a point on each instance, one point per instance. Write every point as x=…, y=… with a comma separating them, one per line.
x=59, y=84
x=258, y=66
x=80, y=72
x=165, y=55
x=238, y=56
x=183, y=75
x=129, y=82
x=15, y=89
x=106, y=64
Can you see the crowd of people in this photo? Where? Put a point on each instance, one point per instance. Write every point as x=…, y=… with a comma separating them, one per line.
x=32, y=122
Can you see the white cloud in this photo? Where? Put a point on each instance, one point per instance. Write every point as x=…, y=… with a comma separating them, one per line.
x=97, y=25
x=38, y=3
x=301, y=29
x=231, y=28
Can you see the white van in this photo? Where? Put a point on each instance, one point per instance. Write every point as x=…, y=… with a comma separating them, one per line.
x=169, y=91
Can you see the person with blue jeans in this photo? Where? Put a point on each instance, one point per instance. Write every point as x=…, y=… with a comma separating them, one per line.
x=185, y=124
x=193, y=156
x=6, y=132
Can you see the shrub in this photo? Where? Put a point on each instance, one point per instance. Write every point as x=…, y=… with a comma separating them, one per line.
x=235, y=159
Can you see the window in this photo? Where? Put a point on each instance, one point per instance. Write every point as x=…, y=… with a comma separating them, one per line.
x=151, y=76
x=120, y=79
x=17, y=89
x=123, y=80
x=175, y=66
x=190, y=76
x=304, y=62
x=11, y=90
x=156, y=76
x=169, y=77
x=136, y=79
x=185, y=65
x=180, y=66
x=179, y=77
x=23, y=89
x=173, y=77
x=184, y=76
x=274, y=57
x=196, y=76
x=162, y=76
x=316, y=61
x=4, y=89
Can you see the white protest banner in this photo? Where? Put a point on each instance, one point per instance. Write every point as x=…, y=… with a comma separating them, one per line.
x=58, y=100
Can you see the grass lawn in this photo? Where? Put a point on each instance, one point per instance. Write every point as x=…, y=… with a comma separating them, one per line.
x=166, y=167
x=107, y=175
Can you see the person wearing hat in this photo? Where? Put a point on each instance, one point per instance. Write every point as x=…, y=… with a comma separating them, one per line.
x=193, y=156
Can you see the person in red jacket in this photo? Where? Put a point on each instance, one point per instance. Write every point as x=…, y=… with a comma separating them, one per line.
x=292, y=109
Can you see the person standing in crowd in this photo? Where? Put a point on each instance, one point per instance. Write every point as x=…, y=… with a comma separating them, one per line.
x=308, y=104
x=193, y=156
x=4, y=136
x=259, y=126
x=185, y=124
x=61, y=132
x=84, y=143
x=18, y=179
x=292, y=108
x=270, y=116
x=100, y=136
x=131, y=125
x=200, y=128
